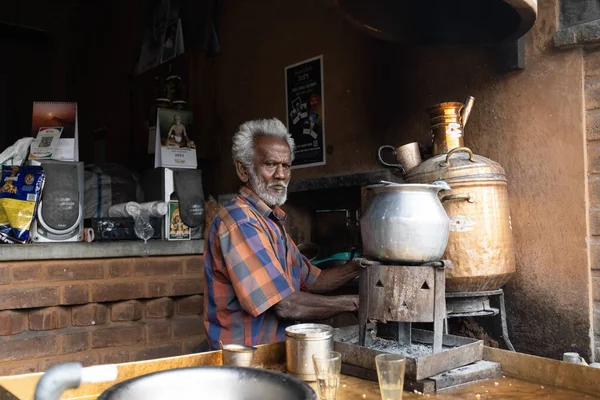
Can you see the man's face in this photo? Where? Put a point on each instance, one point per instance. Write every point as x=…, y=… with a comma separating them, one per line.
x=271, y=173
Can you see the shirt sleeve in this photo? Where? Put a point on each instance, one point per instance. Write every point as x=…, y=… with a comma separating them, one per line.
x=308, y=274
x=256, y=274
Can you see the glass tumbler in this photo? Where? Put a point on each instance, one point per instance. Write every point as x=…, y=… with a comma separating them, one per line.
x=327, y=370
x=390, y=372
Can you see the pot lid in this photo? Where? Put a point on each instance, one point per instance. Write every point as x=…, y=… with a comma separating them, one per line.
x=309, y=331
x=459, y=163
x=487, y=22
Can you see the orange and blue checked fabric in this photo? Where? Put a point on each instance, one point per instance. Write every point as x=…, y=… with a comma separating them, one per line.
x=250, y=264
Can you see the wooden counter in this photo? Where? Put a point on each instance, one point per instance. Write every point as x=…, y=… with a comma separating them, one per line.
x=539, y=371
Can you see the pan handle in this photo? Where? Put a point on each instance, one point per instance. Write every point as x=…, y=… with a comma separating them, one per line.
x=380, y=159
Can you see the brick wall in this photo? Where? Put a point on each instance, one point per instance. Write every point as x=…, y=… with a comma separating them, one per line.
x=592, y=102
x=98, y=311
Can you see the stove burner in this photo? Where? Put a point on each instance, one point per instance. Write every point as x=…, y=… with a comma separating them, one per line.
x=477, y=304
x=396, y=295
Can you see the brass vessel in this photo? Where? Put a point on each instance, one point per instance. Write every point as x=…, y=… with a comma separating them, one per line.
x=480, y=245
x=447, y=122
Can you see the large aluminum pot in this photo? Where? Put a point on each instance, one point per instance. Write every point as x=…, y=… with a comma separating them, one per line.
x=405, y=223
x=211, y=383
x=480, y=245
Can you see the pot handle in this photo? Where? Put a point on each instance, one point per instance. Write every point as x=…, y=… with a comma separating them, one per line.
x=457, y=150
x=380, y=159
x=470, y=197
x=442, y=185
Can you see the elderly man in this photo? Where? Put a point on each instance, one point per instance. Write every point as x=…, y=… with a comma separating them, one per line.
x=257, y=282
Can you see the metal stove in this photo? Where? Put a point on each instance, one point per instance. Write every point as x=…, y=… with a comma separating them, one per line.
x=395, y=296
x=392, y=298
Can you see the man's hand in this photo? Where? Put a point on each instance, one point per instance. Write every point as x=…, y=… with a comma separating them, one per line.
x=301, y=306
x=333, y=278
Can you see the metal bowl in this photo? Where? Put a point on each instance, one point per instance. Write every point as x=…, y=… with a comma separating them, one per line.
x=226, y=383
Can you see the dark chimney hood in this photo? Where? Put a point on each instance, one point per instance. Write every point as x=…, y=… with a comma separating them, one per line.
x=484, y=22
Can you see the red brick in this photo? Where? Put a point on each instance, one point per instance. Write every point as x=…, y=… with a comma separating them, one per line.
x=126, y=311
x=596, y=288
x=12, y=322
x=169, y=350
x=74, y=342
x=4, y=276
x=594, y=214
x=158, y=289
x=592, y=121
x=158, y=266
x=592, y=64
x=29, y=347
x=20, y=368
x=188, y=286
x=187, y=327
x=29, y=297
x=89, y=314
x=594, y=190
x=120, y=268
x=159, y=308
x=48, y=318
x=118, y=336
x=26, y=272
x=158, y=332
x=194, y=265
x=102, y=292
x=190, y=305
x=592, y=94
x=74, y=270
x=85, y=359
x=593, y=151
x=115, y=357
x=75, y=294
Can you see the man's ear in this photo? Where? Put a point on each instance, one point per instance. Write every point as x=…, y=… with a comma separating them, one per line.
x=242, y=171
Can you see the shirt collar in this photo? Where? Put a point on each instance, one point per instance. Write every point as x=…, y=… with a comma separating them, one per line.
x=247, y=194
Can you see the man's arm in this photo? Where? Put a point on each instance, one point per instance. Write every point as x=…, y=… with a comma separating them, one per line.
x=300, y=306
x=333, y=278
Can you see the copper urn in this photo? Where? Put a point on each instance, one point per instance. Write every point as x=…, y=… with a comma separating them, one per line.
x=480, y=244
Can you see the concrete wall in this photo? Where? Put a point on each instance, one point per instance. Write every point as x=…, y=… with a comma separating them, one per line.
x=532, y=122
x=592, y=105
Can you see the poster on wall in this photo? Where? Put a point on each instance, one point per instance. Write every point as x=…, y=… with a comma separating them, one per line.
x=305, y=106
x=174, y=148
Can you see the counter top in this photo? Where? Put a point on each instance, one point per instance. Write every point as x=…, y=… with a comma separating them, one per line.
x=124, y=248
x=351, y=388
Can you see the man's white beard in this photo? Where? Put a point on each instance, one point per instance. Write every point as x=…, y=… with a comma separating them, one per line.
x=262, y=190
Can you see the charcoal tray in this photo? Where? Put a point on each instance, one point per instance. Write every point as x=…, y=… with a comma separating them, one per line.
x=456, y=352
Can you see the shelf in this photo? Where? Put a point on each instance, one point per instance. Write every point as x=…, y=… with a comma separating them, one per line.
x=124, y=248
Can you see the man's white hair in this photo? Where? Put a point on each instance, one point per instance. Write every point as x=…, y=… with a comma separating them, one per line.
x=243, y=139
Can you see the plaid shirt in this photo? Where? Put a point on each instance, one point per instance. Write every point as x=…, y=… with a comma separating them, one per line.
x=250, y=264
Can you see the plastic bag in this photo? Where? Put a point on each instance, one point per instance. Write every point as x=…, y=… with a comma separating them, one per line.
x=20, y=191
x=17, y=153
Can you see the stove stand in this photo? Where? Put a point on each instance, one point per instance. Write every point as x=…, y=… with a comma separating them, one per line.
x=396, y=295
x=477, y=304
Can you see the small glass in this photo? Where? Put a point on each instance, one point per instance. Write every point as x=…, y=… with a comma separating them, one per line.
x=327, y=370
x=390, y=372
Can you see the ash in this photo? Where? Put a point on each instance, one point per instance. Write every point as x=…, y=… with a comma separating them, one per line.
x=413, y=350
